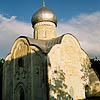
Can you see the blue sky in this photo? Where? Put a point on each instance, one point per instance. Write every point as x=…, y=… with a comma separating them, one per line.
x=79, y=17
x=64, y=9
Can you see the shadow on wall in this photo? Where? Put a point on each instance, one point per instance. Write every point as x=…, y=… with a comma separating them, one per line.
x=58, y=88
x=24, y=75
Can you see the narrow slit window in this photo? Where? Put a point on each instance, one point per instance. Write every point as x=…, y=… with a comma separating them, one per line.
x=20, y=62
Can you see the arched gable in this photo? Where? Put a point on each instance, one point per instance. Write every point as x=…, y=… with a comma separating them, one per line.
x=20, y=48
x=68, y=60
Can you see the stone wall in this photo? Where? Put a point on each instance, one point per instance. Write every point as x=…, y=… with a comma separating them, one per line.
x=45, y=31
x=25, y=73
x=67, y=70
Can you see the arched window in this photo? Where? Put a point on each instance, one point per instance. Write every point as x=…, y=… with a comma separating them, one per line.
x=22, y=95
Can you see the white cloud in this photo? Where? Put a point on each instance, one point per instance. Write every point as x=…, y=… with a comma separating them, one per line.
x=10, y=29
x=86, y=27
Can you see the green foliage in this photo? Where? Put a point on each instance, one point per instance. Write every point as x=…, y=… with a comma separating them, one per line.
x=58, y=86
x=1, y=65
x=1, y=71
x=95, y=64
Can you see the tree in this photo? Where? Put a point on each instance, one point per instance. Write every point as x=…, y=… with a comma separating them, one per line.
x=1, y=72
x=1, y=65
x=95, y=64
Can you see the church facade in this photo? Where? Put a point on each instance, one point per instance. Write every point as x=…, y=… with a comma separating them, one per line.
x=46, y=67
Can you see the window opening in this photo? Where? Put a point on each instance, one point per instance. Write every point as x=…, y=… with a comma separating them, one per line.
x=20, y=62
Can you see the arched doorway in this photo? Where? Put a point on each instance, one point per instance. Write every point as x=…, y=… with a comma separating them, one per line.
x=19, y=93
x=22, y=94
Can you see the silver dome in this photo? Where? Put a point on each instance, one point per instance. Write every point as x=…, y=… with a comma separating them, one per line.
x=44, y=14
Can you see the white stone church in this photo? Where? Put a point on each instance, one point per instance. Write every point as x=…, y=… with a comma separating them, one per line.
x=46, y=67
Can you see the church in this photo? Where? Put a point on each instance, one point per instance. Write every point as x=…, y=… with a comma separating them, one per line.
x=46, y=67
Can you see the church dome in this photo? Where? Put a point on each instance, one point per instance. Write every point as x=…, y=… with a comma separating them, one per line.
x=44, y=14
